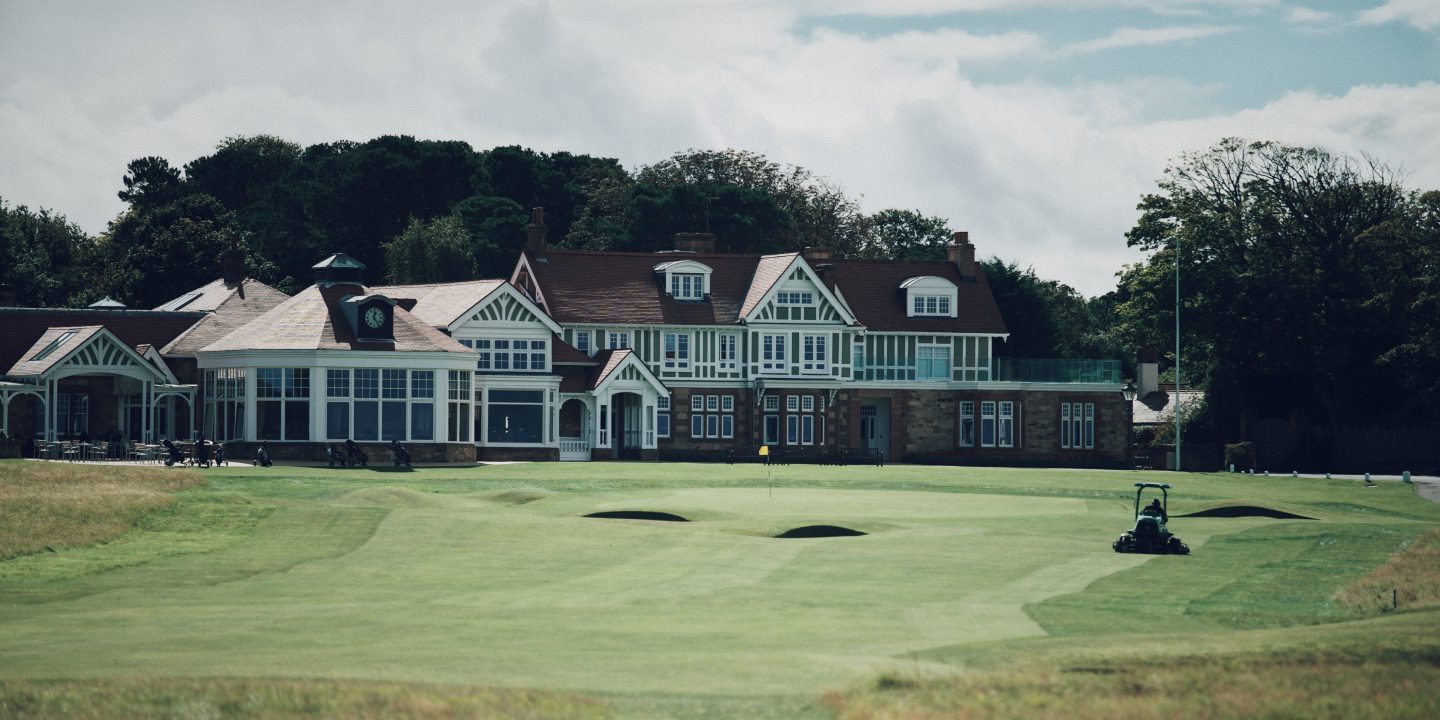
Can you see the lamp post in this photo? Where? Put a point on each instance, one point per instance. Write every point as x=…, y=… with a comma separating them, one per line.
x=1177, y=354
x=1129, y=392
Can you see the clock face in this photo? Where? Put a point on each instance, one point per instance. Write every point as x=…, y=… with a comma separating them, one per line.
x=374, y=317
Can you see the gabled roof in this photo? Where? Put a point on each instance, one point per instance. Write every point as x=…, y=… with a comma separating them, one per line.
x=20, y=328
x=618, y=288
x=229, y=307
x=86, y=348
x=616, y=364
x=768, y=271
x=65, y=341
x=313, y=320
x=441, y=304
x=873, y=290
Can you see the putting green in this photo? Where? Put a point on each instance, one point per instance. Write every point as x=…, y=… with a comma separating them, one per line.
x=467, y=589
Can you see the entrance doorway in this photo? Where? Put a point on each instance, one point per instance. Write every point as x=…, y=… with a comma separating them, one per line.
x=626, y=419
x=875, y=425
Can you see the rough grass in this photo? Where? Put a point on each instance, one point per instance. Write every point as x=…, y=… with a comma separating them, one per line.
x=1371, y=682
x=46, y=506
x=282, y=699
x=1410, y=579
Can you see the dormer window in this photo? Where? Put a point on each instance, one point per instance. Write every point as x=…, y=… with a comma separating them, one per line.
x=684, y=279
x=687, y=286
x=930, y=305
x=929, y=296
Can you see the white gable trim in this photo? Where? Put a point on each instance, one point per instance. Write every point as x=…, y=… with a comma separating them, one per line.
x=113, y=357
x=841, y=309
x=510, y=291
x=524, y=264
x=631, y=362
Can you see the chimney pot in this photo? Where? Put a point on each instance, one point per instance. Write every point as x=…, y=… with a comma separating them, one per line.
x=537, y=234
x=232, y=263
x=698, y=243
x=817, y=254
x=962, y=253
x=1147, y=371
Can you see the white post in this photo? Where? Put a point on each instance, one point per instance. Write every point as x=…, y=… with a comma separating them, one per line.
x=1178, y=465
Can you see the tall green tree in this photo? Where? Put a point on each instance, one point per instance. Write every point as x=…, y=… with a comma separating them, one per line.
x=42, y=256
x=1285, y=272
x=437, y=250
x=1049, y=319
x=150, y=255
x=904, y=235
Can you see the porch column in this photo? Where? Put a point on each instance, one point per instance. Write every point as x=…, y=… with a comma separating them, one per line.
x=50, y=396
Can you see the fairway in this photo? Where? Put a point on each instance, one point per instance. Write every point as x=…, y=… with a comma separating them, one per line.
x=494, y=577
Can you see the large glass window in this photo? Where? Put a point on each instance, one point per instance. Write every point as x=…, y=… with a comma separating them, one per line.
x=282, y=403
x=72, y=414
x=366, y=425
x=932, y=362
x=458, y=415
x=1077, y=426
x=1007, y=424
x=507, y=355
x=617, y=339
x=225, y=404
x=987, y=424
x=515, y=416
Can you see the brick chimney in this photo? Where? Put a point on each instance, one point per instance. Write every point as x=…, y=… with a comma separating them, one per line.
x=1147, y=371
x=698, y=243
x=232, y=263
x=9, y=296
x=537, y=234
x=816, y=254
x=962, y=253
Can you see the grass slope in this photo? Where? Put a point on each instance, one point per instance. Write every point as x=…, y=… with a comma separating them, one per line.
x=493, y=577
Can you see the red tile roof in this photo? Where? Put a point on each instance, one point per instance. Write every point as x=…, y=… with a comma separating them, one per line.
x=872, y=289
x=584, y=287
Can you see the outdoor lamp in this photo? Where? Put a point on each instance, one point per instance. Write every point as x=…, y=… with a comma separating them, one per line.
x=1129, y=392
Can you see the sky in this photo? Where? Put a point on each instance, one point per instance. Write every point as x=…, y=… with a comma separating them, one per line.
x=1035, y=125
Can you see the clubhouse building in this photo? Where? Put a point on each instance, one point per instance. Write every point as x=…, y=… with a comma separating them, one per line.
x=682, y=354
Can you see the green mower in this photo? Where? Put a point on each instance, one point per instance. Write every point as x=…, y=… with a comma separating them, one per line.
x=1149, y=534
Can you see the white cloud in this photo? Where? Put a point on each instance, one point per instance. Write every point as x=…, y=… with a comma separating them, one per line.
x=1127, y=37
x=1040, y=174
x=1308, y=16
x=1421, y=14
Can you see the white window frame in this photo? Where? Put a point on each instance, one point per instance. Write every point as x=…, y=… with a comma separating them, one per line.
x=677, y=351
x=582, y=341
x=728, y=353
x=697, y=426
x=772, y=402
x=618, y=340
x=792, y=403
x=795, y=297
x=1005, y=435
x=807, y=403
x=687, y=286
x=727, y=403
x=967, y=424
x=926, y=355
x=988, y=427
x=814, y=355
x=712, y=403
x=772, y=352
x=727, y=426
x=697, y=403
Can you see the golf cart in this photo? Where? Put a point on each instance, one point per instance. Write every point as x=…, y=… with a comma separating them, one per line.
x=1149, y=534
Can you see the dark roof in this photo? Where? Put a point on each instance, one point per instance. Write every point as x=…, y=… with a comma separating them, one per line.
x=622, y=288
x=313, y=320
x=872, y=289
x=26, y=365
x=20, y=328
x=583, y=287
x=228, y=307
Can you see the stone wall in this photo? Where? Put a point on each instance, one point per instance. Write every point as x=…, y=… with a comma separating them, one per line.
x=379, y=453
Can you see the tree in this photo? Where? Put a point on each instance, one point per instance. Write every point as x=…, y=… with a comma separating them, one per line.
x=150, y=182
x=433, y=251
x=150, y=255
x=1049, y=319
x=904, y=235
x=495, y=229
x=41, y=256
x=802, y=210
x=1288, y=265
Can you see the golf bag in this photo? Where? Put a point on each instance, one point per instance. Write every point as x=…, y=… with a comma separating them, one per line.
x=172, y=454
x=262, y=456
x=355, y=454
x=399, y=455
x=334, y=455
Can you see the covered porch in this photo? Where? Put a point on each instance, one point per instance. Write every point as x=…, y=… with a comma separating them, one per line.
x=83, y=384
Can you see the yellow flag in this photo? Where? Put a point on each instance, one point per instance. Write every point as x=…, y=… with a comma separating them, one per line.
x=764, y=450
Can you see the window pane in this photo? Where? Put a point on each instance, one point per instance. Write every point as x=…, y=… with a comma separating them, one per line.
x=367, y=383
x=337, y=420
x=662, y=424
x=268, y=382
x=727, y=426
x=297, y=420
x=422, y=421
x=516, y=423
x=367, y=420
x=422, y=383
x=392, y=421
x=712, y=426
x=267, y=420
x=337, y=383
x=697, y=426
x=393, y=383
